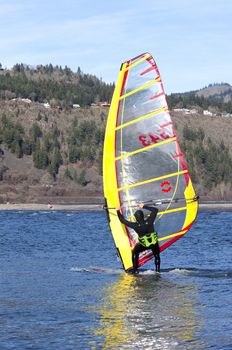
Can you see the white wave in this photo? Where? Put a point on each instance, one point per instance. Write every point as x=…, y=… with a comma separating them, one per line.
x=97, y=270
x=180, y=271
x=149, y=272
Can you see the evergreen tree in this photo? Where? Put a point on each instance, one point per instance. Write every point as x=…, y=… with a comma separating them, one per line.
x=82, y=180
x=68, y=174
x=55, y=162
x=40, y=156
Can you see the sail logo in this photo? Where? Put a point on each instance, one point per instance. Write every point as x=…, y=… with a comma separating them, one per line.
x=150, y=138
x=166, y=186
x=163, y=133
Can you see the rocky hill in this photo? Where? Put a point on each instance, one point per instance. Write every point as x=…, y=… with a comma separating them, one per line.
x=52, y=133
x=221, y=92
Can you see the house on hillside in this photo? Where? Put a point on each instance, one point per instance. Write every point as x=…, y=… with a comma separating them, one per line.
x=185, y=110
x=205, y=112
x=104, y=104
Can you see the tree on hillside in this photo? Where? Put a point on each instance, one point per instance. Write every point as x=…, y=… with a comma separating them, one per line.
x=82, y=178
x=40, y=156
x=208, y=162
x=35, y=132
x=55, y=162
x=27, y=146
x=12, y=136
x=48, y=83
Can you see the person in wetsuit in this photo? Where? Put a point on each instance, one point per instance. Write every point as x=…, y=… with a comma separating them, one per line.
x=147, y=237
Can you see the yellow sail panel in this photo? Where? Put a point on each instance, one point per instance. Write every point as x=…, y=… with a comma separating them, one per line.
x=118, y=230
x=192, y=206
x=142, y=160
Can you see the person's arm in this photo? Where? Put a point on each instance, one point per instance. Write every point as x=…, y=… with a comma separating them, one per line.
x=124, y=221
x=153, y=211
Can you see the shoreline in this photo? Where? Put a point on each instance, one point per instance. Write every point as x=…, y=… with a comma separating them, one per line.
x=53, y=207
x=93, y=207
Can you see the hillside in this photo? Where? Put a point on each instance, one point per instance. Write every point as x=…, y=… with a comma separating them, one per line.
x=221, y=92
x=216, y=97
x=52, y=157
x=55, y=85
x=51, y=145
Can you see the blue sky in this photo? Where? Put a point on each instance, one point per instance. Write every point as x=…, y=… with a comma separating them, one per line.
x=190, y=40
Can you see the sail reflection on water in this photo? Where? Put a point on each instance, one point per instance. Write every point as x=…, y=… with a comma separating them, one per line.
x=147, y=312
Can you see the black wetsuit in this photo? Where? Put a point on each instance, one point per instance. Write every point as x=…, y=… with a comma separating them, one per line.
x=143, y=228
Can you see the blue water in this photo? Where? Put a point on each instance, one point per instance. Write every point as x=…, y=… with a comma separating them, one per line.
x=52, y=297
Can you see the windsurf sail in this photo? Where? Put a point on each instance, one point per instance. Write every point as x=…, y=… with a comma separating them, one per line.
x=143, y=162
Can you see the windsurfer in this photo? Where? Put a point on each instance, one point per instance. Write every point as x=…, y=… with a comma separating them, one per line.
x=147, y=237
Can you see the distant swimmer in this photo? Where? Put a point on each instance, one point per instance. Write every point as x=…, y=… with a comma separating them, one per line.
x=147, y=237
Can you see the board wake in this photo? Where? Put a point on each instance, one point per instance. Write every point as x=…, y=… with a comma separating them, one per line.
x=92, y=269
x=100, y=270
x=195, y=272
x=184, y=271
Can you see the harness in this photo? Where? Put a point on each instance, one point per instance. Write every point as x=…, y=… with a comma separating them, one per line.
x=148, y=240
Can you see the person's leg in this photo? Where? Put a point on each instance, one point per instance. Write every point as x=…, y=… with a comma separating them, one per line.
x=135, y=256
x=157, y=262
x=156, y=252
